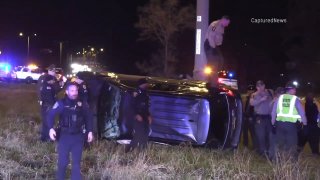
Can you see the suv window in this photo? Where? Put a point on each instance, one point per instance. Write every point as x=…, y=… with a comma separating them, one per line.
x=17, y=68
x=25, y=70
x=38, y=71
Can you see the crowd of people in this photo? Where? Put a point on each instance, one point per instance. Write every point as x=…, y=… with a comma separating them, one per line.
x=77, y=123
x=279, y=121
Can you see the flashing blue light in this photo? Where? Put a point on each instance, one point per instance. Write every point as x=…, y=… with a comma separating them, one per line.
x=5, y=67
x=230, y=75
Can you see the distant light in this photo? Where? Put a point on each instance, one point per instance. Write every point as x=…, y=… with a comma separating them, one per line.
x=20, y=34
x=101, y=49
x=32, y=66
x=230, y=75
x=0, y=52
x=35, y=34
x=79, y=67
x=295, y=83
x=207, y=70
x=281, y=74
x=92, y=49
x=309, y=83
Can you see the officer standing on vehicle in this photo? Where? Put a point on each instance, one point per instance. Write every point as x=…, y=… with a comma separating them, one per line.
x=261, y=101
x=142, y=119
x=285, y=114
x=212, y=43
x=75, y=120
x=48, y=88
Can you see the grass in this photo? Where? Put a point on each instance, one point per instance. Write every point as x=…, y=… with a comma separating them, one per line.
x=22, y=156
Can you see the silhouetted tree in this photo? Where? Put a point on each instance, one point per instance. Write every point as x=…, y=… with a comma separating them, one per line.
x=162, y=21
x=302, y=40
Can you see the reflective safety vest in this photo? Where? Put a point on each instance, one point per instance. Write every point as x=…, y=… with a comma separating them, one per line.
x=286, y=110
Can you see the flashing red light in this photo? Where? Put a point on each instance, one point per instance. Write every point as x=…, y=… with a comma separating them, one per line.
x=220, y=80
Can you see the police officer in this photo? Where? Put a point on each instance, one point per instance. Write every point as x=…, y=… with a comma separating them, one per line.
x=48, y=88
x=214, y=39
x=142, y=119
x=311, y=134
x=261, y=101
x=75, y=120
x=285, y=114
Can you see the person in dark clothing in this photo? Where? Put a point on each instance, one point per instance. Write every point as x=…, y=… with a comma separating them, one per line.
x=311, y=133
x=48, y=88
x=142, y=119
x=75, y=120
x=93, y=84
x=248, y=125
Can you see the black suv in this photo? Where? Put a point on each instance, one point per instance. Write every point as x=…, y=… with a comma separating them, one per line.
x=183, y=111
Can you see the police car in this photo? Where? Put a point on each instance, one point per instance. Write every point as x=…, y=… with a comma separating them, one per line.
x=227, y=78
x=28, y=74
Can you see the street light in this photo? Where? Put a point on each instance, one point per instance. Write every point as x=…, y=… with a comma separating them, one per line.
x=28, y=38
x=207, y=70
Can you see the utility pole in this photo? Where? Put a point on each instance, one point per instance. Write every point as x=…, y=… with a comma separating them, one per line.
x=61, y=44
x=201, y=28
x=28, y=48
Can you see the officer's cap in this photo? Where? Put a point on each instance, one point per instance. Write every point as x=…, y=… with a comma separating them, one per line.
x=290, y=85
x=142, y=81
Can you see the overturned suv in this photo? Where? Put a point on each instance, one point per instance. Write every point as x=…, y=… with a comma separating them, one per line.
x=183, y=111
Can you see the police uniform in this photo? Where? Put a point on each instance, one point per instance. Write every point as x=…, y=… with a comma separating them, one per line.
x=286, y=112
x=75, y=120
x=262, y=119
x=213, y=39
x=48, y=90
x=141, y=128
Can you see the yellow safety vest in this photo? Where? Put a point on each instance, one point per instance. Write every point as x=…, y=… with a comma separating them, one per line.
x=286, y=109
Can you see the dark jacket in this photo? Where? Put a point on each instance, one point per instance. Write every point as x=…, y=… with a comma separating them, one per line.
x=48, y=88
x=311, y=112
x=74, y=115
x=141, y=103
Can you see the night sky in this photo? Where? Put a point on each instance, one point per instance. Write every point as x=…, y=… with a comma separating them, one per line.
x=109, y=24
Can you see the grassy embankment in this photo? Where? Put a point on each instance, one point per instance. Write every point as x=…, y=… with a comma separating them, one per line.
x=22, y=156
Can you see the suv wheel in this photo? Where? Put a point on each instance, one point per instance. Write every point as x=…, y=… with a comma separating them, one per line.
x=29, y=80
